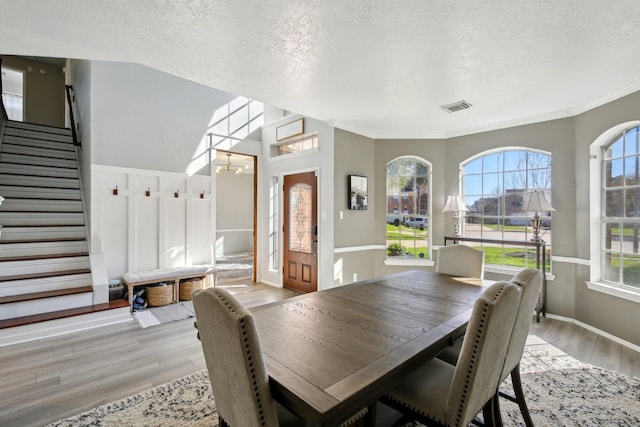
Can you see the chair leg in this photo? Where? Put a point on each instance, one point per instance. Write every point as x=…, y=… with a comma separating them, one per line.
x=497, y=417
x=517, y=388
x=370, y=417
x=491, y=413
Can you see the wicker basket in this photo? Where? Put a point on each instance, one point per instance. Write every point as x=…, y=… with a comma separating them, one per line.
x=160, y=295
x=187, y=287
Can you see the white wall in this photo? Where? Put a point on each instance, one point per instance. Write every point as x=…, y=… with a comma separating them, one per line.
x=136, y=232
x=322, y=161
x=147, y=130
x=78, y=75
x=234, y=213
x=146, y=119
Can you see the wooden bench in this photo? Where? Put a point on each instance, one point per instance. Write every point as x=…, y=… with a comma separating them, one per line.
x=174, y=274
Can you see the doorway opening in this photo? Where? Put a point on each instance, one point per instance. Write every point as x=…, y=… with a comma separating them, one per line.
x=235, y=216
x=13, y=93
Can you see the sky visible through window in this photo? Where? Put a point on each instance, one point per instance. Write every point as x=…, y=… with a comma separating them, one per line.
x=493, y=189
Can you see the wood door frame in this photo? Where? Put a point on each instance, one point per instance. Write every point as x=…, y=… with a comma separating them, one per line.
x=281, y=206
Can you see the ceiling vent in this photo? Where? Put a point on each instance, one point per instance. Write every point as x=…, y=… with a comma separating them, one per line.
x=456, y=106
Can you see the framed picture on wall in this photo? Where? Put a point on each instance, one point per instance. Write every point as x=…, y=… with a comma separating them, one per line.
x=289, y=130
x=358, y=198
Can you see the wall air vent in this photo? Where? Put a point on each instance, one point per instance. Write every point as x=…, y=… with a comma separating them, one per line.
x=456, y=106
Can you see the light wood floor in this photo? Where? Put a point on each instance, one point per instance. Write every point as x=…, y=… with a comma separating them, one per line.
x=43, y=381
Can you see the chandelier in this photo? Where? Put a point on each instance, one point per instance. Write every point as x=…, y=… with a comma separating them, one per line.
x=230, y=167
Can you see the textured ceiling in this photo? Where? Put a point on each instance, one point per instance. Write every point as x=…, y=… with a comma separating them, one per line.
x=379, y=68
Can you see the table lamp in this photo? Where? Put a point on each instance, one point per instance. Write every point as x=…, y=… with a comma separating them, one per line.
x=536, y=201
x=456, y=205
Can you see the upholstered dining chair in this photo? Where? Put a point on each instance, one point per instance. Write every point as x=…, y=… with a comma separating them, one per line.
x=235, y=362
x=460, y=260
x=530, y=280
x=442, y=394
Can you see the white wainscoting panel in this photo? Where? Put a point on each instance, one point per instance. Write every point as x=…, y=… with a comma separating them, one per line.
x=145, y=233
x=175, y=226
x=137, y=232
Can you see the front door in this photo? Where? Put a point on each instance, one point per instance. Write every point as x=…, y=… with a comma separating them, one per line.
x=300, y=232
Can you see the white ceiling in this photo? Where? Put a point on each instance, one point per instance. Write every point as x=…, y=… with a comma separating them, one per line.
x=380, y=68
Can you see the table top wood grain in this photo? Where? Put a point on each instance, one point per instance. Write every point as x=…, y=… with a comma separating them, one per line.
x=333, y=352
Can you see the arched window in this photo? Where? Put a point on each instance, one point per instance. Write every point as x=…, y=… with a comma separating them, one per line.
x=408, y=208
x=493, y=186
x=620, y=210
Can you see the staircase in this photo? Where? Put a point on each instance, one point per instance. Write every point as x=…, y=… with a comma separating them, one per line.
x=45, y=269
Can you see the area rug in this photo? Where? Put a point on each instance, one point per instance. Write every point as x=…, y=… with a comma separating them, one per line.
x=234, y=267
x=164, y=314
x=560, y=391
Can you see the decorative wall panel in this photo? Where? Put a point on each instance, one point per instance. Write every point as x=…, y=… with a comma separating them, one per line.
x=171, y=226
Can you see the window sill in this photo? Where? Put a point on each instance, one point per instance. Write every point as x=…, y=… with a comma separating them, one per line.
x=510, y=271
x=409, y=262
x=614, y=291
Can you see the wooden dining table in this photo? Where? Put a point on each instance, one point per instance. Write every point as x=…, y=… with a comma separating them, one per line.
x=333, y=352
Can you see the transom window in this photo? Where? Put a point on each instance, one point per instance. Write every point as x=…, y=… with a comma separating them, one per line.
x=620, y=216
x=408, y=208
x=296, y=145
x=493, y=187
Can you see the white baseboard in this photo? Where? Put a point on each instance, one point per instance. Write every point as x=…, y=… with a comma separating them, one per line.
x=67, y=325
x=600, y=332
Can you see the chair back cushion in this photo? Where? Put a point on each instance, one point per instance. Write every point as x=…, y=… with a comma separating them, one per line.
x=460, y=260
x=234, y=359
x=484, y=348
x=530, y=281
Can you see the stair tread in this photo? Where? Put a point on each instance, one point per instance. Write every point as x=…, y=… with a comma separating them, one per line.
x=56, y=240
x=6, y=227
x=11, y=174
x=64, y=145
x=43, y=199
x=45, y=294
x=45, y=274
x=36, y=318
x=43, y=188
x=27, y=125
x=30, y=165
x=45, y=256
x=22, y=211
x=37, y=199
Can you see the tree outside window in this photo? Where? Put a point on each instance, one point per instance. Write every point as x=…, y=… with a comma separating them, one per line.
x=408, y=207
x=620, y=217
x=493, y=187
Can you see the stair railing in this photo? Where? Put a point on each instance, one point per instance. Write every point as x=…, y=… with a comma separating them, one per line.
x=4, y=117
x=73, y=109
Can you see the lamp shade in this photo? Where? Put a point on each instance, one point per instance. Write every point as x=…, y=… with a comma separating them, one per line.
x=536, y=201
x=454, y=204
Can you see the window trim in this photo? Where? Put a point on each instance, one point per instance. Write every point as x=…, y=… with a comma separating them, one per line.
x=428, y=260
x=498, y=268
x=595, y=281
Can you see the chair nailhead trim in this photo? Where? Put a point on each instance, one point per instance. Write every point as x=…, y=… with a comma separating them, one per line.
x=472, y=362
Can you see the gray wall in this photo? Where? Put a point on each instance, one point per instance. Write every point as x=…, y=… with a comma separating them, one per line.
x=568, y=141
x=354, y=155
x=433, y=151
x=617, y=316
x=557, y=138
